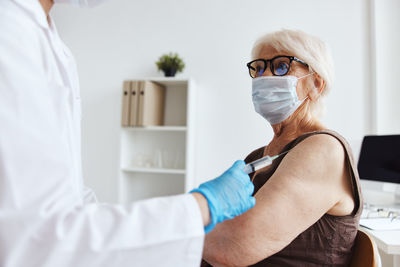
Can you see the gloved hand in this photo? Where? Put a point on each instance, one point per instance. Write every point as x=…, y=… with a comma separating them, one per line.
x=228, y=195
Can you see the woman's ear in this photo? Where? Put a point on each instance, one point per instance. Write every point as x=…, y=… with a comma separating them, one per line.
x=318, y=87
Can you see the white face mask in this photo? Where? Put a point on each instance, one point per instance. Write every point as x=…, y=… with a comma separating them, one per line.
x=81, y=3
x=275, y=97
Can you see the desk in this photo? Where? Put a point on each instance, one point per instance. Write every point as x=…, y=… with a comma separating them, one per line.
x=388, y=242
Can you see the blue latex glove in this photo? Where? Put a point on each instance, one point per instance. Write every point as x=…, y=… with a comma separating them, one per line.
x=228, y=195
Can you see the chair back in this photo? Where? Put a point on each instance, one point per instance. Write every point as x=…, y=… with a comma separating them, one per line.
x=365, y=253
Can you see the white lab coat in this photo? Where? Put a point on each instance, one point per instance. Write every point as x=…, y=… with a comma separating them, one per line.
x=47, y=218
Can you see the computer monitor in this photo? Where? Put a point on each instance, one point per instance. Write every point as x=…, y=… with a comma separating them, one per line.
x=380, y=158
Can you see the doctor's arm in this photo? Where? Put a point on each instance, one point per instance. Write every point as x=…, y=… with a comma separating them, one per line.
x=42, y=215
x=43, y=218
x=203, y=206
x=310, y=181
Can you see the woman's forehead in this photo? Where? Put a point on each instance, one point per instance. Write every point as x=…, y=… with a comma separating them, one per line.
x=268, y=52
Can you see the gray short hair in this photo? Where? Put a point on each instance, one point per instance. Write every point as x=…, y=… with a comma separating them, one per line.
x=305, y=46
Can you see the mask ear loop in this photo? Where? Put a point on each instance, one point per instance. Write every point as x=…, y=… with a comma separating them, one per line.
x=304, y=99
x=311, y=73
x=306, y=75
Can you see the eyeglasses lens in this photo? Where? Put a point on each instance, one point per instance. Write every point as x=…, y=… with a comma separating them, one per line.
x=257, y=68
x=280, y=66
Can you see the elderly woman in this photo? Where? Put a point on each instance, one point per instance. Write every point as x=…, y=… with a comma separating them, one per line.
x=308, y=202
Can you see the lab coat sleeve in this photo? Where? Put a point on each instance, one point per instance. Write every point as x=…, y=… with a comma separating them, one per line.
x=156, y=232
x=44, y=221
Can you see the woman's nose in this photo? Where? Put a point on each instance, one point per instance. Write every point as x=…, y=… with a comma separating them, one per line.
x=267, y=72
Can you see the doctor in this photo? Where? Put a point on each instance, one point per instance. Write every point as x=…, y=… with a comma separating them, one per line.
x=47, y=217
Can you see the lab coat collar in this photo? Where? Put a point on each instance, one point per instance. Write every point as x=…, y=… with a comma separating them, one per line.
x=35, y=9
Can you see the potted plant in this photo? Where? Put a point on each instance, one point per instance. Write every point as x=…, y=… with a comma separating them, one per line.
x=170, y=64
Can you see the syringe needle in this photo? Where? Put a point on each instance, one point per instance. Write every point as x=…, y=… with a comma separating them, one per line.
x=261, y=163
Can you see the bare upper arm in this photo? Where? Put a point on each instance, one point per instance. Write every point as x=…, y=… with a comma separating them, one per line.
x=306, y=185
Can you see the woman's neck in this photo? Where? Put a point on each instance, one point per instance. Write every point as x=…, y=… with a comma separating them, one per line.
x=47, y=5
x=297, y=124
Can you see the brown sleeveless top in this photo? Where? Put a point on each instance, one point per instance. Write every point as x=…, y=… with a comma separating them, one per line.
x=329, y=241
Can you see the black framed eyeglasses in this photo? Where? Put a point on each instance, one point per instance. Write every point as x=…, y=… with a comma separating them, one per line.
x=279, y=65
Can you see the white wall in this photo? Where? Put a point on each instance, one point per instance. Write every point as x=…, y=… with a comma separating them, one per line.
x=387, y=43
x=123, y=38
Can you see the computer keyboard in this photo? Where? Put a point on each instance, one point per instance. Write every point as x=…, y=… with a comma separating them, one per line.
x=380, y=211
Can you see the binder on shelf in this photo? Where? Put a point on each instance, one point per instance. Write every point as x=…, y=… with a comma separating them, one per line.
x=151, y=104
x=133, y=121
x=142, y=104
x=126, y=94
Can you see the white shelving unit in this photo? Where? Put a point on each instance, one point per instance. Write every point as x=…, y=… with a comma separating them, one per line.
x=159, y=160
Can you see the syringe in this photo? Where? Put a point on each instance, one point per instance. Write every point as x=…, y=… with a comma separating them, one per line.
x=261, y=163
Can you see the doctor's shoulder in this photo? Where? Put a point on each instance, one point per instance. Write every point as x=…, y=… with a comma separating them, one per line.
x=21, y=23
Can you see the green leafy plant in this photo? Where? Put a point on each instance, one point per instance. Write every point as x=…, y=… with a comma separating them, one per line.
x=170, y=64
